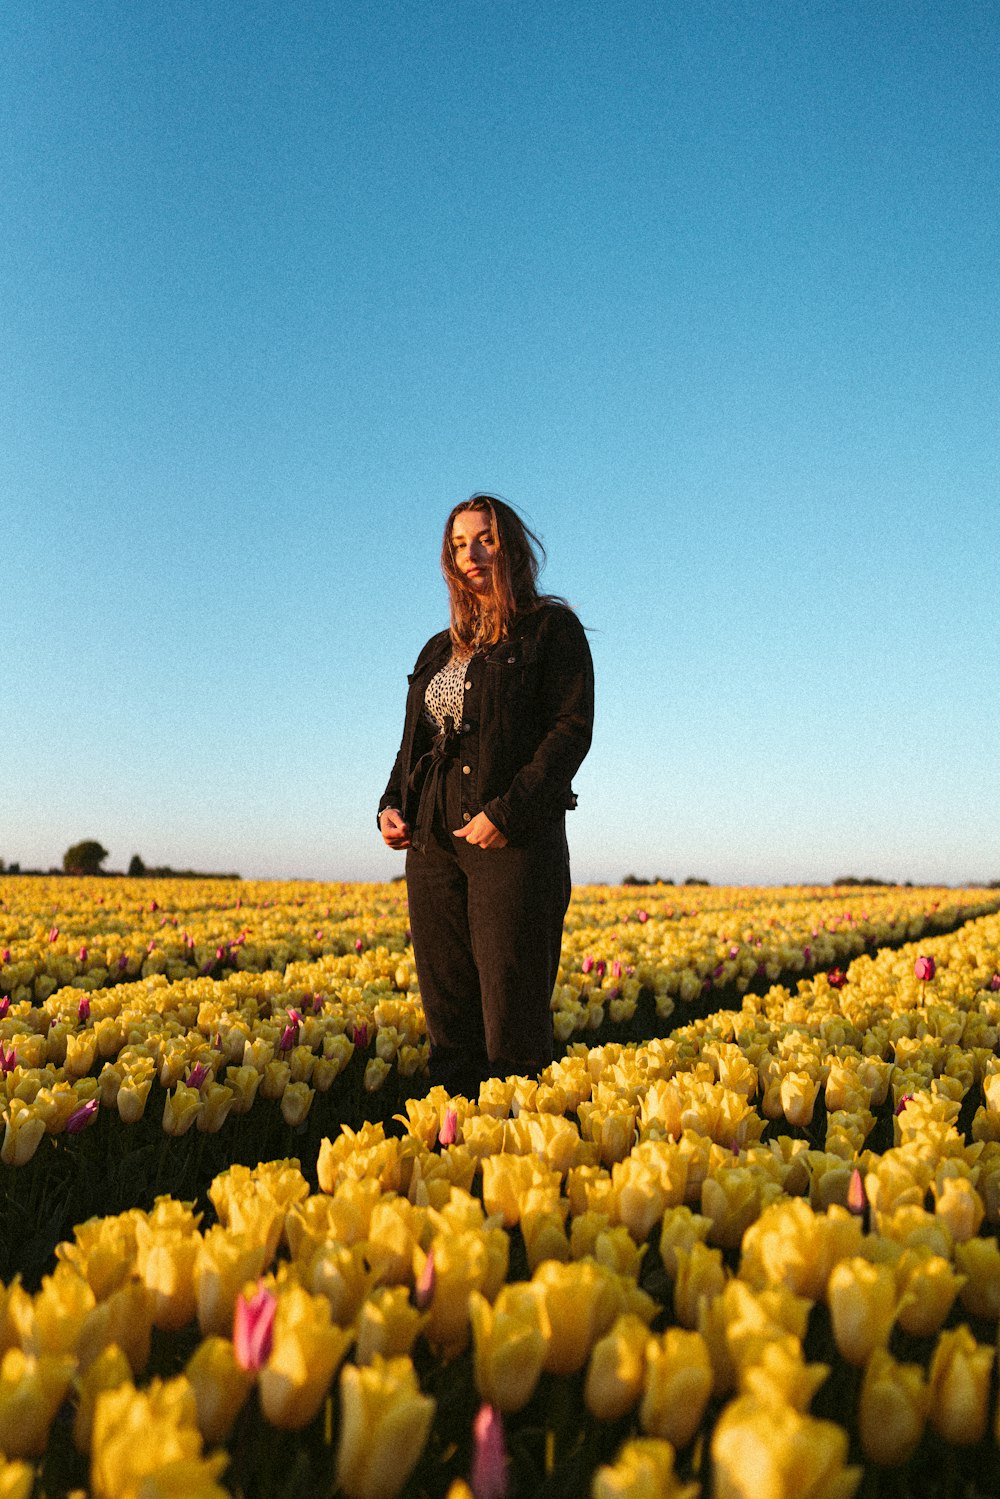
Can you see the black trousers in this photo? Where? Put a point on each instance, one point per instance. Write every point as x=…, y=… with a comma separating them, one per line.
x=487, y=930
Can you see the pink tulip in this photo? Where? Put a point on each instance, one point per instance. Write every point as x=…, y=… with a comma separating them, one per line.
x=83, y=1011
x=600, y=968
x=488, y=1479
x=423, y=1291
x=253, y=1328
x=154, y=905
x=587, y=964
x=5, y=955
x=53, y=933
x=836, y=979
x=901, y=1105
x=448, y=1133
x=151, y=945
x=360, y=1037
x=294, y=1018
x=81, y=1117
x=122, y=963
x=8, y=1060
x=995, y=983
x=289, y=1036
x=924, y=968
x=358, y=944
x=82, y=955
x=642, y=916
x=4, y=1005
x=317, y=1003
x=857, y=1199
x=319, y=934
x=616, y=969
x=197, y=1075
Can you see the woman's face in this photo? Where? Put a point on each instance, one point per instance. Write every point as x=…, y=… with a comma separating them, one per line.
x=474, y=547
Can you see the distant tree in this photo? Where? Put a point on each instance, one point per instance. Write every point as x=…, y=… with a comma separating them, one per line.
x=135, y=866
x=84, y=858
x=693, y=880
x=2, y=866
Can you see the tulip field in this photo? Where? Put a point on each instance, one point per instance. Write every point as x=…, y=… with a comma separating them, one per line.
x=739, y=1241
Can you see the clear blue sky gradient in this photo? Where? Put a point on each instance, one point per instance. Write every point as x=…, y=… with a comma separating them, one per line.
x=709, y=290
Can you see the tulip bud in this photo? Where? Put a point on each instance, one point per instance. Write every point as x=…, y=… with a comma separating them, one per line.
x=924, y=968
x=253, y=1328
x=82, y=1117
x=488, y=1478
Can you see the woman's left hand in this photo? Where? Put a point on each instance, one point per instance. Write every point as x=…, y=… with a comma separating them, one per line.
x=482, y=833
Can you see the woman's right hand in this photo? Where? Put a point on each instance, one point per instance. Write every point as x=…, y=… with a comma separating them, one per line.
x=395, y=831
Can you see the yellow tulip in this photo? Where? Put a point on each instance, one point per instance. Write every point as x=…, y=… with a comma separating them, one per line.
x=244, y=1081
x=960, y=1206
x=388, y=1324
x=616, y=1369
x=644, y=1468
x=771, y=1449
x=166, y=1251
x=979, y=1261
x=677, y=1386
x=296, y=1101
x=701, y=1276
x=863, y=1300
x=59, y=1312
x=305, y=1354
x=131, y=1097
x=180, y=1109
x=123, y=1319
x=224, y=1262
x=582, y=1300
x=23, y=1132
x=148, y=1442
x=510, y=1342
x=892, y=1410
x=960, y=1385
x=791, y=1245
x=927, y=1287
x=680, y=1229
x=544, y=1235
x=107, y=1371
x=220, y=1387
x=384, y=1425
x=31, y=1391
x=797, y=1092
x=216, y=1102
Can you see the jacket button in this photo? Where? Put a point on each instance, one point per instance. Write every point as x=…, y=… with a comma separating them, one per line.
x=466, y=727
x=468, y=686
x=466, y=816
x=511, y=660
x=466, y=770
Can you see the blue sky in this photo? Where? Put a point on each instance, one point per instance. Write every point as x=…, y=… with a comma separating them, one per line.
x=708, y=290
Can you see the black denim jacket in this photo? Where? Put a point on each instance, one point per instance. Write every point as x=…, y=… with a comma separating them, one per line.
x=529, y=714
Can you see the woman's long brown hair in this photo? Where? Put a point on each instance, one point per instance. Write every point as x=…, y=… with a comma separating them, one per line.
x=479, y=620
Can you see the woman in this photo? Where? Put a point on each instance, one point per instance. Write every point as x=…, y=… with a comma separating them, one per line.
x=499, y=715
